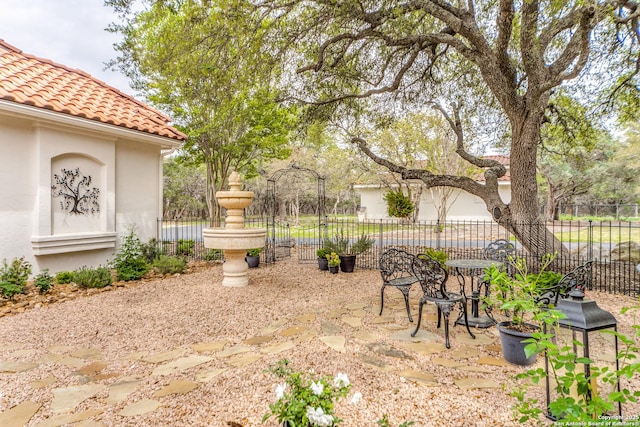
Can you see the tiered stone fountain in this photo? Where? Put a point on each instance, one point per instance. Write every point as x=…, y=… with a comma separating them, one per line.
x=234, y=239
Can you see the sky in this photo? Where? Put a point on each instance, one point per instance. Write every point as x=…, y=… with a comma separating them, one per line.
x=68, y=32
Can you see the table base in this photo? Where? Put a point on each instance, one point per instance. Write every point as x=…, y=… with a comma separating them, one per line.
x=477, y=322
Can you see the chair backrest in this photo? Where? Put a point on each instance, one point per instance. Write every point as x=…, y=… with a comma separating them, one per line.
x=500, y=250
x=395, y=263
x=432, y=276
x=579, y=278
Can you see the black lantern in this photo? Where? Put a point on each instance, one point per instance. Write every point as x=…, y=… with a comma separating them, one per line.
x=584, y=319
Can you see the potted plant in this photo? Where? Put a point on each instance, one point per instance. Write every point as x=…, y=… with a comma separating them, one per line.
x=333, y=262
x=253, y=257
x=347, y=249
x=518, y=295
x=322, y=258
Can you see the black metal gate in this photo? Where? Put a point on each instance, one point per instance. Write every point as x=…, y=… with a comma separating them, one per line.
x=278, y=246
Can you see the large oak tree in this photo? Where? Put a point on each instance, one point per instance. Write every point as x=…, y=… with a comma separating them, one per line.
x=505, y=56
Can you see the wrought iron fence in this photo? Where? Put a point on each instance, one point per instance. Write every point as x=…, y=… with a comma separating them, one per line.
x=612, y=245
x=184, y=238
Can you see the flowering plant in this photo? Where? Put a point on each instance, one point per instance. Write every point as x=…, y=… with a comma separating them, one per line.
x=305, y=399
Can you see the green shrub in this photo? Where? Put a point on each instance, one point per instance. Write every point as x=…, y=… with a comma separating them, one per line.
x=151, y=251
x=44, y=281
x=8, y=290
x=399, y=205
x=14, y=276
x=64, y=277
x=213, y=255
x=254, y=252
x=129, y=262
x=185, y=247
x=16, y=273
x=322, y=253
x=437, y=254
x=132, y=269
x=169, y=265
x=87, y=277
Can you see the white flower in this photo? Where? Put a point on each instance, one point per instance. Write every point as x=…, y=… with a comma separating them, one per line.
x=341, y=380
x=317, y=417
x=356, y=398
x=280, y=391
x=317, y=388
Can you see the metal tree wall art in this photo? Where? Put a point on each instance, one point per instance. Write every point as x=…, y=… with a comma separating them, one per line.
x=75, y=189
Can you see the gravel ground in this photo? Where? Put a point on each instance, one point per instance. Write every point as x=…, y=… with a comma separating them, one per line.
x=173, y=313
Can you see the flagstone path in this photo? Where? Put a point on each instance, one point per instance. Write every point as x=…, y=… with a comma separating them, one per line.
x=104, y=382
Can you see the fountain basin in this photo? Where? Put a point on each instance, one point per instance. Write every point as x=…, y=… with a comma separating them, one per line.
x=234, y=199
x=234, y=238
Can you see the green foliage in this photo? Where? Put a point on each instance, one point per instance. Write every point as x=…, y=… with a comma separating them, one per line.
x=574, y=398
x=87, y=277
x=129, y=262
x=169, y=265
x=185, y=188
x=179, y=58
x=64, y=277
x=254, y=252
x=384, y=422
x=185, y=247
x=132, y=269
x=305, y=397
x=43, y=281
x=322, y=252
x=213, y=255
x=333, y=258
x=437, y=254
x=343, y=245
x=14, y=276
x=17, y=272
x=399, y=205
x=151, y=251
x=517, y=294
x=8, y=290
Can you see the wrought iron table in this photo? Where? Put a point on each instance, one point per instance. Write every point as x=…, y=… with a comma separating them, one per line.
x=474, y=268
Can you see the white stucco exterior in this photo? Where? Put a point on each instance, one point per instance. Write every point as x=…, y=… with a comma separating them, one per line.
x=125, y=167
x=466, y=206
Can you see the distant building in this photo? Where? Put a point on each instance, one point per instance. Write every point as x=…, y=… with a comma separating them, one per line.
x=465, y=207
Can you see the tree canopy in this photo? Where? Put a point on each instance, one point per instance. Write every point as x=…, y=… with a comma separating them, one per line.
x=205, y=64
x=467, y=59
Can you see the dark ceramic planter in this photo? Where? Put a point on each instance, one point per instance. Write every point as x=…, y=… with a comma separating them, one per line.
x=333, y=269
x=512, y=345
x=323, y=264
x=347, y=263
x=253, y=261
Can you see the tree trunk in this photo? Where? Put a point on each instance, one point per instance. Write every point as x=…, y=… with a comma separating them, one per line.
x=523, y=217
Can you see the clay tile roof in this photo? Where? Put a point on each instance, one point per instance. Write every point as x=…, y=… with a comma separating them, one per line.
x=503, y=160
x=28, y=80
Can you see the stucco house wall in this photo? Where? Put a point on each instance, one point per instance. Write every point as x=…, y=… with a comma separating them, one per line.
x=119, y=145
x=466, y=206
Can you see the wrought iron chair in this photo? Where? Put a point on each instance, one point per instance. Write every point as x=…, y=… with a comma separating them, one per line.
x=395, y=269
x=500, y=250
x=579, y=278
x=433, y=279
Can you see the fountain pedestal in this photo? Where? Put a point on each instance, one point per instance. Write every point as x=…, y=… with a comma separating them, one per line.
x=234, y=239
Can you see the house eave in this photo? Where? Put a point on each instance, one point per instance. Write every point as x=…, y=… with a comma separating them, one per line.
x=43, y=116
